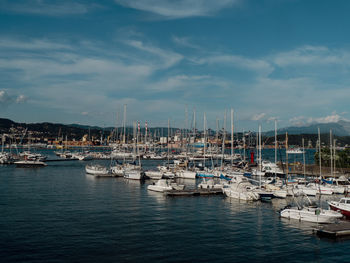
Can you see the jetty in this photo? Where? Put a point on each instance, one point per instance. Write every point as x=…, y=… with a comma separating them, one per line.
x=193, y=192
x=336, y=230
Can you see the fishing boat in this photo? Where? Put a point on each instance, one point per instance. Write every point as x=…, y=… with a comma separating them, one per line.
x=343, y=206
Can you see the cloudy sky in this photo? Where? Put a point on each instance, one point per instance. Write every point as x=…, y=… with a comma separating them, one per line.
x=74, y=61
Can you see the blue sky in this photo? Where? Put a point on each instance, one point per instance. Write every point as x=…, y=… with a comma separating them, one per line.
x=81, y=61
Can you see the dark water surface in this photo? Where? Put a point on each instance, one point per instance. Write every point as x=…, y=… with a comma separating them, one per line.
x=57, y=213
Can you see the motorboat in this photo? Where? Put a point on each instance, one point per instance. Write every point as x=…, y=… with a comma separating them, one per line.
x=97, y=170
x=310, y=213
x=343, y=206
x=160, y=186
x=240, y=188
x=30, y=164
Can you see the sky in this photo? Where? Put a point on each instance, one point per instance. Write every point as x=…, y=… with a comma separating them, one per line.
x=74, y=61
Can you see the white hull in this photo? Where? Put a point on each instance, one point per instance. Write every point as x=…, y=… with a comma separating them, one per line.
x=307, y=215
x=96, y=170
x=157, y=188
x=154, y=174
x=246, y=196
x=280, y=193
x=29, y=163
x=133, y=175
x=186, y=174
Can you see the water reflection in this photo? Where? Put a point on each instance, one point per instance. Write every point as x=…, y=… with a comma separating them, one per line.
x=157, y=196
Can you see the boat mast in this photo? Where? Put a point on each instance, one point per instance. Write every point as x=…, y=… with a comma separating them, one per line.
x=275, y=147
x=168, y=143
x=287, y=168
x=231, y=137
x=304, y=158
x=124, y=125
x=334, y=158
x=205, y=138
x=243, y=147
x=319, y=151
x=331, y=150
x=260, y=156
x=223, y=142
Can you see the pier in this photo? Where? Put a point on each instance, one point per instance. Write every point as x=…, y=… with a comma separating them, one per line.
x=193, y=192
x=337, y=230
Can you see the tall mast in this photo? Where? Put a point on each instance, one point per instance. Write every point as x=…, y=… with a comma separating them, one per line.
x=194, y=123
x=287, y=168
x=205, y=137
x=331, y=150
x=168, y=143
x=243, y=146
x=319, y=151
x=304, y=157
x=223, y=141
x=275, y=146
x=334, y=158
x=231, y=137
x=124, y=125
x=260, y=156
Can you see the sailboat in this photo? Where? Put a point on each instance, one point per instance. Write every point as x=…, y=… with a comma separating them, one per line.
x=134, y=172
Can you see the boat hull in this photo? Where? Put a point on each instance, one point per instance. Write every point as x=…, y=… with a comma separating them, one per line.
x=343, y=211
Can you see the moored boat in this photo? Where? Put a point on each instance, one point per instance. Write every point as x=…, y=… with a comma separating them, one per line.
x=343, y=206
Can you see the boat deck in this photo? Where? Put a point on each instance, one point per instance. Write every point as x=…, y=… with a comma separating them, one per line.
x=193, y=192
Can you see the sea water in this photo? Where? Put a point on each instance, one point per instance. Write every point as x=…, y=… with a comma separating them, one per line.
x=59, y=214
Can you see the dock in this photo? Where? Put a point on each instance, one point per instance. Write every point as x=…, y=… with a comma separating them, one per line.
x=336, y=230
x=193, y=192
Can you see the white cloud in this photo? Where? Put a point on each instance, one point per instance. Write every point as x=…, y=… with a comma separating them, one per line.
x=7, y=98
x=257, y=65
x=312, y=56
x=258, y=117
x=47, y=8
x=327, y=119
x=166, y=58
x=298, y=120
x=185, y=41
x=21, y=99
x=178, y=9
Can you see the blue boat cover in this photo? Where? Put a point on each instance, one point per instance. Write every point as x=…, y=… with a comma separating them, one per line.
x=225, y=177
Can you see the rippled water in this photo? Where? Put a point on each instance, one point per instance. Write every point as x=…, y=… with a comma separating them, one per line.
x=57, y=213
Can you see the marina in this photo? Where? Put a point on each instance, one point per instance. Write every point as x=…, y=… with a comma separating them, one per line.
x=174, y=131
x=73, y=204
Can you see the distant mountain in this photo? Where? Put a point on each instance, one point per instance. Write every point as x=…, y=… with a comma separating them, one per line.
x=340, y=128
